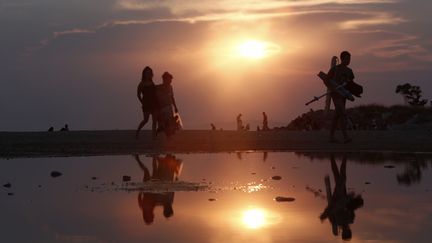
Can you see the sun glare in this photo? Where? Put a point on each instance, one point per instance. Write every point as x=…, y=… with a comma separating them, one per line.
x=253, y=49
x=254, y=218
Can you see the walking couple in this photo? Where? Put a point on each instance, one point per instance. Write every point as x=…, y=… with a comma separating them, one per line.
x=158, y=101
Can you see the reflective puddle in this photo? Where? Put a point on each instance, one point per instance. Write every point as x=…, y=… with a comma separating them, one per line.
x=221, y=197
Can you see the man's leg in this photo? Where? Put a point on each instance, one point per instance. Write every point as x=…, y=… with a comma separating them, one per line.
x=333, y=128
x=335, y=169
x=337, y=104
x=344, y=127
x=155, y=119
x=344, y=121
x=343, y=166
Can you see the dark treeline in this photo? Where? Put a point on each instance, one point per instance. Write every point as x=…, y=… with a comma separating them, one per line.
x=366, y=117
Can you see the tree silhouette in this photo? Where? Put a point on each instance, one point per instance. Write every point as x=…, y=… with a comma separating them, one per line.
x=411, y=94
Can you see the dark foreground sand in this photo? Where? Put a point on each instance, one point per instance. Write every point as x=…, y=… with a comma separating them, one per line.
x=121, y=142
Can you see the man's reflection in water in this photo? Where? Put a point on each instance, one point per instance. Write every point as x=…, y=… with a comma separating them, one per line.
x=341, y=205
x=166, y=168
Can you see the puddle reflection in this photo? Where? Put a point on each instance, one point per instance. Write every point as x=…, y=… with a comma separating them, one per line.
x=341, y=204
x=264, y=197
x=166, y=168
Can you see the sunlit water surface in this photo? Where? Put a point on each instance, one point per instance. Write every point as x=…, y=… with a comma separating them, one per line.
x=223, y=197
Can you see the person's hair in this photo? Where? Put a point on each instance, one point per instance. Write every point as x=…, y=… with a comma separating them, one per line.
x=344, y=54
x=145, y=70
x=166, y=75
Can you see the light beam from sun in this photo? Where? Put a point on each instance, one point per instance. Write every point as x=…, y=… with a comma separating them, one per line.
x=256, y=49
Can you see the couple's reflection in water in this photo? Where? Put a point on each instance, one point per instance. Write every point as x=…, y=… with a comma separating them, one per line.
x=341, y=204
x=164, y=169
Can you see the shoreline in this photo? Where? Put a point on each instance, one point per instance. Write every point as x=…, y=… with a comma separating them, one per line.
x=122, y=142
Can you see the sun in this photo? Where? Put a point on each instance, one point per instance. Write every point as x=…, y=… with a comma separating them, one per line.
x=255, y=49
x=252, y=49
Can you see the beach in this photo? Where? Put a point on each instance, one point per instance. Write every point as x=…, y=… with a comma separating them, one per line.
x=122, y=142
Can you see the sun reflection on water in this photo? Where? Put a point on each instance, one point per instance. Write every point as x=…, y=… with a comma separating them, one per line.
x=254, y=218
x=252, y=187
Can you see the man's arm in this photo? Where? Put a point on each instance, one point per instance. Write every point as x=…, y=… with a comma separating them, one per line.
x=173, y=101
x=351, y=76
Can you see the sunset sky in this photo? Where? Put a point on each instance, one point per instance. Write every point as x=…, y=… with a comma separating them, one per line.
x=79, y=62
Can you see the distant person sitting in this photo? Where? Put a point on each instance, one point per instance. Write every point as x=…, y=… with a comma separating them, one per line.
x=65, y=128
x=166, y=101
x=247, y=128
x=51, y=129
x=239, y=123
x=213, y=127
x=265, y=126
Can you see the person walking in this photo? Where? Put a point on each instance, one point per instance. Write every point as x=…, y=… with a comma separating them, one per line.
x=166, y=101
x=239, y=123
x=146, y=93
x=265, y=126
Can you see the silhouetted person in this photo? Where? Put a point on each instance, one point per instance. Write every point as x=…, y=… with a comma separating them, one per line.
x=146, y=93
x=51, y=129
x=265, y=155
x=247, y=127
x=265, y=126
x=165, y=97
x=239, y=123
x=164, y=169
x=213, y=127
x=340, y=73
x=65, y=128
x=341, y=205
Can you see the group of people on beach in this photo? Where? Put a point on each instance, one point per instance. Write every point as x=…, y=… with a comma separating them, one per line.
x=158, y=102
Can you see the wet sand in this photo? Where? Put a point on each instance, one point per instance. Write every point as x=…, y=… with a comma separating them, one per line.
x=121, y=142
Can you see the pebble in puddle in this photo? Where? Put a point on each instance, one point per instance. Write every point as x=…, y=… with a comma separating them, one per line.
x=284, y=199
x=55, y=174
